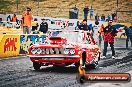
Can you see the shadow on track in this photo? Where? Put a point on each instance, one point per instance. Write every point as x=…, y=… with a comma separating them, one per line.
x=69, y=69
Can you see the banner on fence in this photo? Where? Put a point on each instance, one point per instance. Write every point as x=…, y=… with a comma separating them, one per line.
x=27, y=40
x=9, y=45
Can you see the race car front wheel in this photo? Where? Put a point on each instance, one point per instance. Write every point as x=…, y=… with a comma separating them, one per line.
x=36, y=66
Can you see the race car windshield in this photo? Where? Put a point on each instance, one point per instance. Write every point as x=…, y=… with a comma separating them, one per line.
x=71, y=36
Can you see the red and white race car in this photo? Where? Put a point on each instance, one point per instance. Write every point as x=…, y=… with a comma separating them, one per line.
x=64, y=48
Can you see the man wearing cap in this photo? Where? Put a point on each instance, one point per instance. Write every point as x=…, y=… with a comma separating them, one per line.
x=26, y=21
x=109, y=34
x=84, y=26
x=43, y=26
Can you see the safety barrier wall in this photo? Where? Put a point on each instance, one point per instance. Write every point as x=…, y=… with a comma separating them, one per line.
x=27, y=40
x=14, y=45
x=120, y=26
x=9, y=45
x=57, y=23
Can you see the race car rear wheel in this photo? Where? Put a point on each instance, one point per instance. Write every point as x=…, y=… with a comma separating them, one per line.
x=36, y=66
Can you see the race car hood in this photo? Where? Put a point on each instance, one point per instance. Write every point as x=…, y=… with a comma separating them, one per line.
x=88, y=46
x=46, y=46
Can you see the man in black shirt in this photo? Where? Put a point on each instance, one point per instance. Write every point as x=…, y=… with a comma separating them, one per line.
x=84, y=26
x=86, y=10
x=43, y=26
x=109, y=34
x=113, y=16
x=102, y=17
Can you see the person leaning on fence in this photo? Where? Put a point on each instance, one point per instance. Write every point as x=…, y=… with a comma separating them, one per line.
x=128, y=32
x=109, y=34
x=8, y=18
x=14, y=18
x=26, y=21
x=108, y=17
x=78, y=24
x=84, y=26
x=43, y=26
x=113, y=15
x=34, y=25
x=97, y=17
x=103, y=17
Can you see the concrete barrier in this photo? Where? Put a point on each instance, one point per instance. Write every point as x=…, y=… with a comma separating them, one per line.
x=27, y=40
x=14, y=45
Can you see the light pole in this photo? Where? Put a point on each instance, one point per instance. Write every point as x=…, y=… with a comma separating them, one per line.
x=17, y=2
x=38, y=7
x=117, y=7
x=117, y=3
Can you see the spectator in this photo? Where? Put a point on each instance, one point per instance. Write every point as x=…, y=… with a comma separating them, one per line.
x=101, y=30
x=102, y=17
x=97, y=17
x=78, y=24
x=14, y=18
x=75, y=12
x=101, y=34
x=96, y=30
x=86, y=11
x=26, y=20
x=9, y=18
x=128, y=32
x=84, y=26
x=91, y=12
x=108, y=17
x=109, y=34
x=43, y=26
x=113, y=16
x=35, y=24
